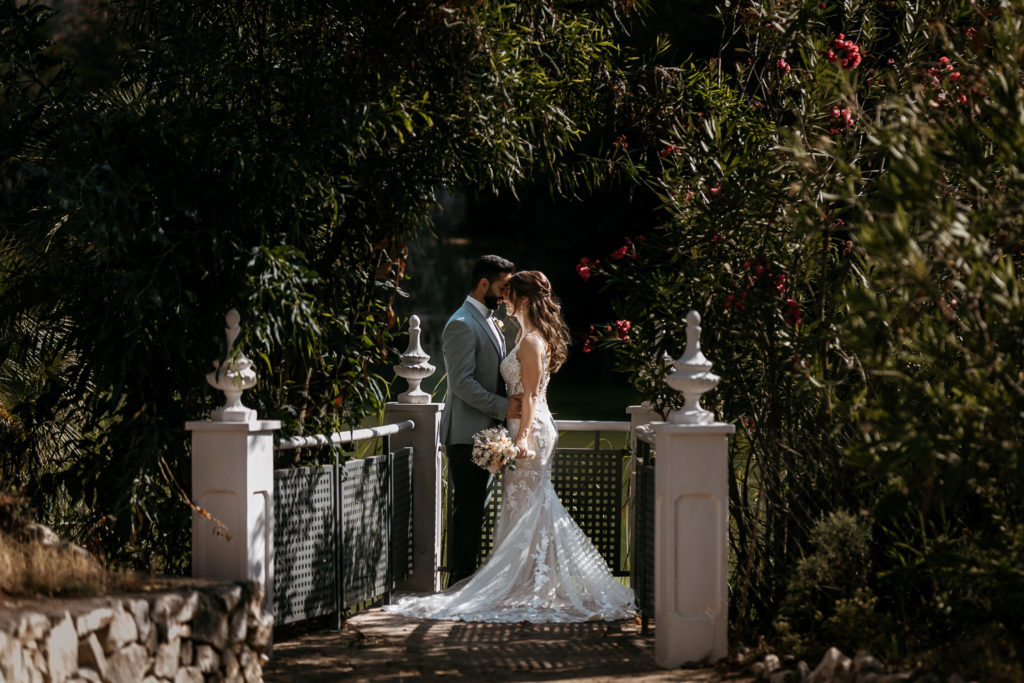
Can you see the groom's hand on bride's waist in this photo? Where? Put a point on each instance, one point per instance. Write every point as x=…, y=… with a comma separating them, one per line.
x=515, y=407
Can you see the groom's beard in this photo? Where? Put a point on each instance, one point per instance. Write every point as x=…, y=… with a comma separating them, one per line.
x=491, y=301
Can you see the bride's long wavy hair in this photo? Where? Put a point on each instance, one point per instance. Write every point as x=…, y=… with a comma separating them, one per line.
x=533, y=290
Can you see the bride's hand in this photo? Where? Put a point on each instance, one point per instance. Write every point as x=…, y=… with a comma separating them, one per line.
x=524, y=452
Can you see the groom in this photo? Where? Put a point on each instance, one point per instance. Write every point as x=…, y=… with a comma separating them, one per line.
x=473, y=347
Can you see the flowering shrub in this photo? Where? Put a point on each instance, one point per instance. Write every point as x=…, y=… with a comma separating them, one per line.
x=843, y=210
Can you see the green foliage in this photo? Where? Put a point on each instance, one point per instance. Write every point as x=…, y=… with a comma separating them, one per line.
x=828, y=601
x=845, y=216
x=175, y=160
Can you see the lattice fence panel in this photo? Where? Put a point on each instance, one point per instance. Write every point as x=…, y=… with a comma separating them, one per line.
x=364, y=529
x=589, y=484
x=643, y=572
x=305, y=573
x=402, y=522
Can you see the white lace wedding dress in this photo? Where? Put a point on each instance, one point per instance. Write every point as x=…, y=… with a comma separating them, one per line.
x=543, y=568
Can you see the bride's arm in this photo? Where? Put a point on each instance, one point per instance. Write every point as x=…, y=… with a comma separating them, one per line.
x=530, y=356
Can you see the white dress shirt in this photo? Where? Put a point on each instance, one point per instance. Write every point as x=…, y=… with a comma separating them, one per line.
x=486, y=312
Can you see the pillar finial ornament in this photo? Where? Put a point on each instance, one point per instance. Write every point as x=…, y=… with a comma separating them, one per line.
x=415, y=366
x=233, y=376
x=691, y=375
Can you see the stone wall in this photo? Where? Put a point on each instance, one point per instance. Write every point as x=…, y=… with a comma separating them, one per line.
x=189, y=631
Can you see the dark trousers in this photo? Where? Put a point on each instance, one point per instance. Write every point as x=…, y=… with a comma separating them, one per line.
x=468, y=486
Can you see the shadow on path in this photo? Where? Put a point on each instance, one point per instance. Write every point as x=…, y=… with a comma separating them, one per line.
x=375, y=646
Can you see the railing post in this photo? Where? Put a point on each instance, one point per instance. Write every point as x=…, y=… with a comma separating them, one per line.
x=425, y=440
x=233, y=481
x=691, y=518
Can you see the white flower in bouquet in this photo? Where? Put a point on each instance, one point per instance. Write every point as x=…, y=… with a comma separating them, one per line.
x=494, y=450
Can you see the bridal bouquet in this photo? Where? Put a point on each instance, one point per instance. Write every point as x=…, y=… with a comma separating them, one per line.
x=494, y=450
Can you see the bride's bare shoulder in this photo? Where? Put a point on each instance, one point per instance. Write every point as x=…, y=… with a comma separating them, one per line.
x=533, y=343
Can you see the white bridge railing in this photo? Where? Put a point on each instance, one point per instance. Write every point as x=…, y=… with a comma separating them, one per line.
x=232, y=480
x=347, y=436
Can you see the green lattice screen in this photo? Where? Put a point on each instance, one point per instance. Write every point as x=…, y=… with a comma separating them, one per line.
x=590, y=484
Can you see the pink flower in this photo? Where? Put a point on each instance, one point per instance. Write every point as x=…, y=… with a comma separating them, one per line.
x=794, y=314
x=970, y=33
x=583, y=271
x=588, y=345
x=619, y=253
x=846, y=51
x=715, y=190
x=668, y=151
x=622, y=329
x=783, y=66
x=621, y=142
x=843, y=119
x=955, y=76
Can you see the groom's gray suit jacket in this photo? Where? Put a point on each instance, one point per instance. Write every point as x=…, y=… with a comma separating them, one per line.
x=471, y=355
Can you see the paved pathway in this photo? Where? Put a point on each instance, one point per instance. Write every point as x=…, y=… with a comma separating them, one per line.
x=377, y=647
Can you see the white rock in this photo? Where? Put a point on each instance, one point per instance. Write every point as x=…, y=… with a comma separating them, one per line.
x=259, y=637
x=93, y=620
x=151, y=641
x=162, y=613
x=41, y=533
x=824, y=672
x=122, y=631
x=188, y=608
x=90, y=653
x=140, y=612
x=207, y=659
x=189, y=674
x=229, y=595
x=251, y=669
x=237, y=629
x=87, y=674
x=62, y=650
x=12, y=661
x=210, y=623
x=844, y=671
x=865, y=663
x=167, y=657
x=40, y=662
x=32, y=627
x=229, y=662
x=128, y=664
x=771, y=663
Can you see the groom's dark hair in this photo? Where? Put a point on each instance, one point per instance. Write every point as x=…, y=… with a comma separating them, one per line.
x=490, y=267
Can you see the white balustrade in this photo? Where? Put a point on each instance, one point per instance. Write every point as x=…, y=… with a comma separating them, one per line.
x=691, y=551
x=417, y=405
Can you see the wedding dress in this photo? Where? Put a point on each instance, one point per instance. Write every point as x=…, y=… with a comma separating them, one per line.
x=542, y=568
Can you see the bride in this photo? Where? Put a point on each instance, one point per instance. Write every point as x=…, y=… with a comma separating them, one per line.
x=542, y=568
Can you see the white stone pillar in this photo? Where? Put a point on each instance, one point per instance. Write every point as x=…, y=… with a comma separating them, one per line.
x=425, y=440
x=691, y=551
x=233, y=481
x=426, y=490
